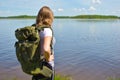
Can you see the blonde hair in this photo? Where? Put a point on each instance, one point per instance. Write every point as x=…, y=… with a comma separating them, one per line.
x=45, y=17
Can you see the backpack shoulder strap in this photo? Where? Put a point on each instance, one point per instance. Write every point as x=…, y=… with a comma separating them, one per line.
x=42, y=28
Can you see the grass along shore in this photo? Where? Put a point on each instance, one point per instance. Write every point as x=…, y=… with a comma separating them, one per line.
x=66, y=17
x=59, y=77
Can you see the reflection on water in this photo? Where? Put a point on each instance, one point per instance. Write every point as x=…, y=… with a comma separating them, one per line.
x=85, y=49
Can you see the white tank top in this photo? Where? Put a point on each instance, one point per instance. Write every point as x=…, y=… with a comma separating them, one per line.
x=46, y=32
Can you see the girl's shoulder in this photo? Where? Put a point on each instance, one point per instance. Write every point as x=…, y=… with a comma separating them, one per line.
x=47, y=32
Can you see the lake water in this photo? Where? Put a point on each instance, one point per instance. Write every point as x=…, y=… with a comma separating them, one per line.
x=84, y=49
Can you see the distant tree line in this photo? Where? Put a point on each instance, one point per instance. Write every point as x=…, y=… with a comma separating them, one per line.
x=69, y=17
x=96, y=17
x=21, y=16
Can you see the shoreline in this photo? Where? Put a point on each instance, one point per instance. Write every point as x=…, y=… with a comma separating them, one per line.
x=16, y=73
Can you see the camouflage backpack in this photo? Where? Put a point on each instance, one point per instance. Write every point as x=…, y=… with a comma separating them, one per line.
x=27, y=51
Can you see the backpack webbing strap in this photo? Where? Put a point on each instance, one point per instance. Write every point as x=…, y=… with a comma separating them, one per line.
x=39, y=28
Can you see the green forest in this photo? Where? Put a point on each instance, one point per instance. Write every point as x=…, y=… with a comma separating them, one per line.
x=69, y=17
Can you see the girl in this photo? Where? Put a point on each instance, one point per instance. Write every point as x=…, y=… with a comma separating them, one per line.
x=45, y=18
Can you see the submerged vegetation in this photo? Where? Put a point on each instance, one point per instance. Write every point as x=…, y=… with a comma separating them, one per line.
x=68, y=17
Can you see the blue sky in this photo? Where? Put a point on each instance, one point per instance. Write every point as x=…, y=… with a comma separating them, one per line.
x=60, y=7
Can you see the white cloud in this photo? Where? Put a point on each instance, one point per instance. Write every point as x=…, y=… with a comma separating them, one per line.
x=114, y=12
x=77, y=9
x=54, y=10
x=5, y=12
x=80, y=9
x=83, y=9
x=117, y=11
x=92, y=8
x=96, y=1
x=60, y=9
